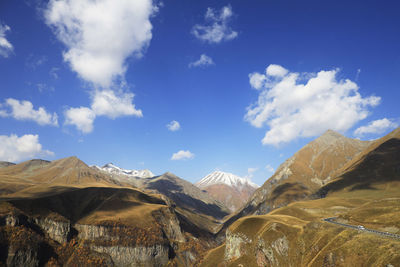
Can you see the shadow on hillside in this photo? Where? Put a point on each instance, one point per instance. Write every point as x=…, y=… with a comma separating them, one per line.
x=76, y=204
x=176, y=193
x=378, y=166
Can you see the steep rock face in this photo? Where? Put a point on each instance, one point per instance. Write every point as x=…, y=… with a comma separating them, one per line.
x=157, y=255
x=27, y=256
x=57, y=230
x=228, y=188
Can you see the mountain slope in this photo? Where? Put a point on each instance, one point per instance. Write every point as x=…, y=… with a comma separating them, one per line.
x=365, y=191
x=378, y=164
x=303, y=174
x=5, y=164
x=228, y=188
x=76, y=214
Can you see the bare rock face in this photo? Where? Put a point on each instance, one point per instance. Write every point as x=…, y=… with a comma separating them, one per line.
x=235, y=246
x=27, y=256
x=57, y=230
x=157, y=255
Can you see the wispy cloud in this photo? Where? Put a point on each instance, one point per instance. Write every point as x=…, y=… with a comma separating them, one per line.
x=216, y=27
x=376, y=127
x=269, y=168
x=203, y=61
x=6, y=48
x=173, y=126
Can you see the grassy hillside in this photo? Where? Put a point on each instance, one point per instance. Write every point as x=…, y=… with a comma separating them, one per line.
x=296, y=235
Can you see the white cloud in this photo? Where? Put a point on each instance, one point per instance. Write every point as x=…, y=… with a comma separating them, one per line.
x=376, y=127
x=182, y=155
x=204, y=60
x=82, y=118
x=23, y=110
x=107, y=103
x=173, y=126
x=250, y=173
x=257, y=80
x=14, y=148
x=216, y=28
x=101, y=35
x=292, y=109
x=269, y=168
x=276, y=70
x=104, y=103
x=6, y=48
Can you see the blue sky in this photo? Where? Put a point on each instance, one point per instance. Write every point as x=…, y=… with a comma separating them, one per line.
x=249, y=82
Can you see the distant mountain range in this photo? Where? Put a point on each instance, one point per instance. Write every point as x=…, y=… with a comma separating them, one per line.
x=228, y=188
x=65, y=213
x=112, y=169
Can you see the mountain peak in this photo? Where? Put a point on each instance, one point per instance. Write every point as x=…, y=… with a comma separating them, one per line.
x=220, y=177
x=113, y=169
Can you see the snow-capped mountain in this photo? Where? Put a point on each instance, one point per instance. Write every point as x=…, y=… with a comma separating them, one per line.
x=219, y=177
x=230, y=189
x=112, y=169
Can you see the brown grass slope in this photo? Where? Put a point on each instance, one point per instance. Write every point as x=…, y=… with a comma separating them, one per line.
x=378, y=164
x=68, y=191
x=303, y=174
x=366, y=191
x=38, y=177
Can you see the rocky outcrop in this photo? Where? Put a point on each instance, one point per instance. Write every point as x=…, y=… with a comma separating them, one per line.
x=26, y=256
x=157, y=255
x=236, y=244
x=57, y=230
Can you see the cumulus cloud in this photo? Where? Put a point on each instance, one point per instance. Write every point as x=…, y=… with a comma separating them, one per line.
x=182, y=155
x=203, y=61
x=6, y=48
x=376, y=127
x=293, y=109
x=14, y=148
x=23, y=110
x=108, y=103
x=173, y=126
x=269, y=168
x=104, y=103
x=216, y=28
x=82, y=118
x=101, y=35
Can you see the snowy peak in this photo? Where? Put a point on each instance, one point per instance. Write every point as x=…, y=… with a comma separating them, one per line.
x=219, y=177
x=112, y=169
